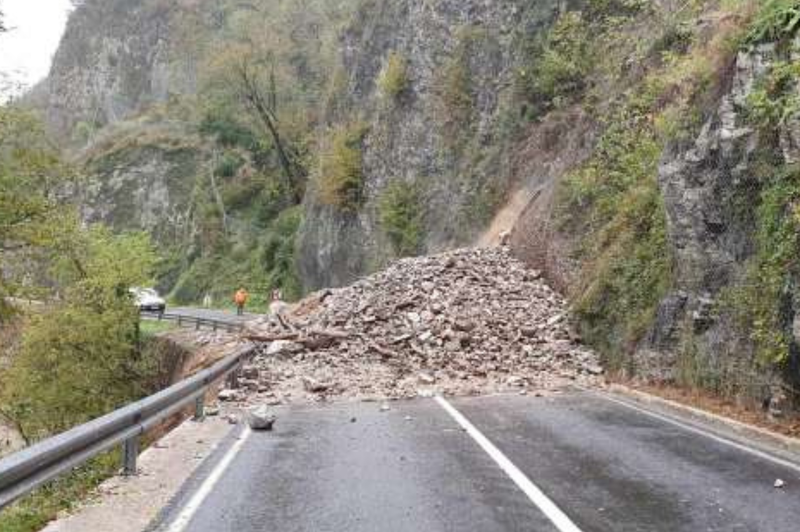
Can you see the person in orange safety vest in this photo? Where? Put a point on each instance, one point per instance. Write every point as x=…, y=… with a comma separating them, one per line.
x=240, y=298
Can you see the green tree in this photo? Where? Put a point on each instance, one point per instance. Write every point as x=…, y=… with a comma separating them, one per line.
x=401, y=215
x=250, y=75
x=31, y=215
x=80, y=357
x=341, y=172
x=559, y=66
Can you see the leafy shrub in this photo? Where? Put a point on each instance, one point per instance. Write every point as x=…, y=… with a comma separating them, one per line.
x=393, y=78
x=228, y=165
x=483, y=199
x=630, y=273
x=401, y=215
x=455, y=84
x=626, y=261
x=559, y=67
x=258, y=266
x=228, y=131
x=777, y=20
x=627, y=270
x=79, y=358
x=83, y=132
x=762, y=300
x=775, y=99
x=615, y=8
x=242, y=193
x=341, y=173
x=279, y=256
x=215, y=275
x=35, y=511
x=676, y=38
x=614, y=202
x=272, y=199
x=456, y=90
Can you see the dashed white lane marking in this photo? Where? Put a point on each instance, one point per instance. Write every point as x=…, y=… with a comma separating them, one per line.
x=701, y=432
x=536, y=495
x=187, y=513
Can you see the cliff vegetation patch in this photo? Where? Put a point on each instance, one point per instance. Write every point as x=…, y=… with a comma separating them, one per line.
x=401, y=211
x=393, y=79
x=614, y=200
x=341, y=175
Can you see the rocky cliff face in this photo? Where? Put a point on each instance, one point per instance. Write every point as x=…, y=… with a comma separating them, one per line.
x=145, y=182
x=673, y=225
x=117, y=57
x=446, y=132
x=423, y=105
x=450, y=133
x=712, y=189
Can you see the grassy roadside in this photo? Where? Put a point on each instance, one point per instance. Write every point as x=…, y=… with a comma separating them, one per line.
x=150, y=328
x=33, y=512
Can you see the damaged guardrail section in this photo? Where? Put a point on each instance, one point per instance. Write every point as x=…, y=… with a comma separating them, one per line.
x=22, y=472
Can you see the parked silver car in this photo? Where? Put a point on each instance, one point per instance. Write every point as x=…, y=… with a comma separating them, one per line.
x=148, y=299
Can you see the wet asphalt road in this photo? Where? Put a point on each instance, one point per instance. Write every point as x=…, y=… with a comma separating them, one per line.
x=609, y=468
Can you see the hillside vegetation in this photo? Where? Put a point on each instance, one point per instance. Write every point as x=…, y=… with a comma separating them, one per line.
x=680, y=221
x=303, y=144
x=77, y=353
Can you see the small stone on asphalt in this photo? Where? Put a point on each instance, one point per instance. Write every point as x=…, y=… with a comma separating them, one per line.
x=260, y=418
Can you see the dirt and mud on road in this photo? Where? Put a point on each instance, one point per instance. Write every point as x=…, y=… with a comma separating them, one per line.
x=461, y=323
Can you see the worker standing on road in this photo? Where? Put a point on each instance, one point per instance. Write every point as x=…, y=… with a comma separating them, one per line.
x=240, y=298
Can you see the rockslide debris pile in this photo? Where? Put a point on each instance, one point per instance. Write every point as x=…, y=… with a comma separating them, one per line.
x=465, y=322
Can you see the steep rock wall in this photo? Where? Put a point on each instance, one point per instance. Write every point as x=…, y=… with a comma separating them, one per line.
x=711, y=188
x=144, y=181
x=119, y=56
x=460, y=155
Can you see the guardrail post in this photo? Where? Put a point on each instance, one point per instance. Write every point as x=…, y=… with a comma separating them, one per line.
x=197, y=325
x=130, y=452
x=233, y=377
x=215, y=326
x=200, y=408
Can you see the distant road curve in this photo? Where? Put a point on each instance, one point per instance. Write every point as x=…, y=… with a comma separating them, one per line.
x=222, y=317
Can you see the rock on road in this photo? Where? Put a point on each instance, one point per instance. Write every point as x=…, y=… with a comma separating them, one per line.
x=357, y=467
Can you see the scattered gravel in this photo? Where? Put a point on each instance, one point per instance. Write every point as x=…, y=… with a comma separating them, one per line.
x=461, y=323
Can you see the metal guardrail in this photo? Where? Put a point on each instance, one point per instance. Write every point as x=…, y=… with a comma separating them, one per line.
x=192, y=321
x=24, y=471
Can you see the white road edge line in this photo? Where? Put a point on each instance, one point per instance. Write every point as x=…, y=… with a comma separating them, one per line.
x=187, y=513
x=741, y=447
x=536, y=495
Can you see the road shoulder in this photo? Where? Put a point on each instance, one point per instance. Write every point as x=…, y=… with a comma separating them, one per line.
x=738, y=431
x=129, y=504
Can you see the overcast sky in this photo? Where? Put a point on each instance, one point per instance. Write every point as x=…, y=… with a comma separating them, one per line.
x=36, y=28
